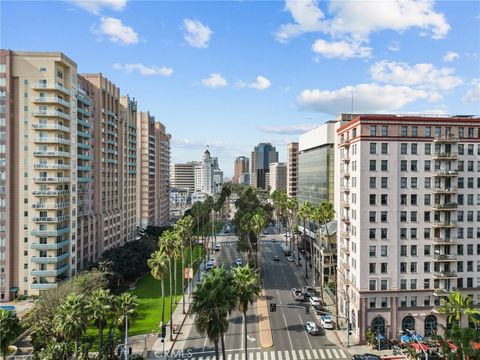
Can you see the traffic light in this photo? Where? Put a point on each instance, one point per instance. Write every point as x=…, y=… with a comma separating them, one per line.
x=307, y=310
x=273, y=307
x=164, y=330
x=350, y=328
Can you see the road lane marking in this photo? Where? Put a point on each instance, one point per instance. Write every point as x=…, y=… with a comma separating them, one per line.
x=328, y=353
x=265, y=355
x=279, y=353
x=300, y=353
x=335, y=352
x=306, y=332
x=342, y=353
x=307, y=354
x=315, y=355
x=288, y=332
x=287, y=356
x=322, y=354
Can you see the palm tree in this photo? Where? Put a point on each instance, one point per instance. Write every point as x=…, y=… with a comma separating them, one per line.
x=184, y=229
x=169, y=246
x=259, y=221
x=100, y=309
x=125, y=307
x=326, y=214
x=213, y=300
x=71, y=319
x=158, y=265
x=292, y=207
x=305, y=213
x=455, y=306
x=10, y=326
x=246, y=286
x=463, y=338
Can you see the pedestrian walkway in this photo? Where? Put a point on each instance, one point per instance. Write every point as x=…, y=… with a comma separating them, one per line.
x=303, y=354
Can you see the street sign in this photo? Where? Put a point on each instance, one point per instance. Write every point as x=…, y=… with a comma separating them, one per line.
x=188, y=273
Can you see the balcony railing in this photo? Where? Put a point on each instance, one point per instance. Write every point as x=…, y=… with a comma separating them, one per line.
x=43, y=273
x=51, y=166
x=444, y=257
x=445, y=274
x=57, y=232
x=345, y=234
x=345, y=173
x=50, y=219
x=345, y=188
x=445, y=155
x=50, y=192
x=346, y=219
x=344, y=143
x=51, y=100
x=445, y=139
x=445, y=206
x=51, y=179
x=50, y=259
x=61, y=205
x=441, y=292
x=444, y=224
x=52, y=140
x=51, y=153
x=444, y=241
x=445, y=173
x=50, y=246
x=50, y=86
x=43, y=286
x=446, y=190
x=42, y=113
x=345, y=204
x=50, y=126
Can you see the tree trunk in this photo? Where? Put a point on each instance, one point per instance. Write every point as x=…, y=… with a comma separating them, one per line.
x=245, y=331
x=217, y=356
x=224, y=354
x=175, y=269
x=183, y=278
x=76, y=346
x=321, y=265
x=191, y=266
x=171, y=305
x=163, y=301
x=100, y=337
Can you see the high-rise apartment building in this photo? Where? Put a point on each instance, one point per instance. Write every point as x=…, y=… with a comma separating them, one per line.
x=241, y=166
x=262, y=156
x=292, y=169
x=182, y=176
x=278, y=176
x=409, y=219
x=162, y=175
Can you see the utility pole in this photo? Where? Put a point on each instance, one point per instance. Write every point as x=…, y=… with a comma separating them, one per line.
x=126, y=337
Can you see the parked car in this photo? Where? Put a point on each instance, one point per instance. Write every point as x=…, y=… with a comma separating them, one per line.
x=315, y=300
x=366, y=357
x=311, y=328
x=326, y=322
x=290, y=259
x=210, y=265
x=218, y=247
x=238, y=262
x=308, y=289
x=319, y=309
x=276, y=258
x=298, y=295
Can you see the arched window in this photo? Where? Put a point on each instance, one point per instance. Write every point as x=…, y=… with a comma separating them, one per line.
x=353, y=320
x=378, y=325
x=408, y=323
x=430, y=325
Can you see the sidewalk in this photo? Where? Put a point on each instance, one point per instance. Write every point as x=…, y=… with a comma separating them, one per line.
x=266, y=338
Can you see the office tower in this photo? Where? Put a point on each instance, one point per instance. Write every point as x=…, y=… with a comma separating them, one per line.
x=241, y=166
x=409, y=216
x=278, y=176
x=262, y=156
x=292, y=169
x=182, y=176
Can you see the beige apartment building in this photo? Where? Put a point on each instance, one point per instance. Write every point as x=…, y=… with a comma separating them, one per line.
x=292, y=169
x=278, y=176
x=68, y=170
x=408, y=208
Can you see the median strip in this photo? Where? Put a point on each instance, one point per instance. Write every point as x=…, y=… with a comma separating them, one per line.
x=266, y=339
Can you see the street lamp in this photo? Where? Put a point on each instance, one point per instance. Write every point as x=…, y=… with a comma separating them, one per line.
x=414, y=337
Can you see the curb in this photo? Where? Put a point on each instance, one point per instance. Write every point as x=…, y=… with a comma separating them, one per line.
x=266, y=338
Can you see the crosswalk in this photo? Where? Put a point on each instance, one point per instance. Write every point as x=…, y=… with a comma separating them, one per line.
x=263, y=243
x=307, y=354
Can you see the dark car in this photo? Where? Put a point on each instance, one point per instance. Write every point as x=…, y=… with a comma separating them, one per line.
x=366, y=357
x=276, y=258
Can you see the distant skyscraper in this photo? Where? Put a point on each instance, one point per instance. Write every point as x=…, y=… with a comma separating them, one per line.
x=182, y=176
x=262, y=156
x=241, y=166
x=292, y=169
x=278, y=176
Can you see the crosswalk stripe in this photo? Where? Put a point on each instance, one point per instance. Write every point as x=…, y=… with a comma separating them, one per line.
x=342, y=353
x=272, y=355
x=307, y=353
x=294, y=355
x=200, y=358
x=322, y=354
x=259, y=355
x=265, y=355
x=335, y=352
x=315, y=355
x=250, y=356
x=300, y=353
x=229, y=357
x=328, y=353
x=287, y=355
x=236, y=356
x=279, y=353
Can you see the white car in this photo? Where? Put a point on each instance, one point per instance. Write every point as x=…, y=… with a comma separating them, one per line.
x=210, y=265
x=238, y=262
x=326, y=322
x=218, y=247
x=290, y=259
x=311, y=327
x=314, y=300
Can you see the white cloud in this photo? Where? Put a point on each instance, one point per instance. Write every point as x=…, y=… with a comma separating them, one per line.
x=394, y=46
x=261, y=83
x=288, y=130
x=424, y=76
x=366, y=98
x=95, y=6
x=197, y=34
x=450, y=56
x=341, y=49
x=214, y=80
x=473, y=94
x=116, y=31
x=144, y=70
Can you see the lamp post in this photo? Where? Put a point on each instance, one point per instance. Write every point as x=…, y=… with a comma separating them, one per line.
x=126, y=337
x=418, y=342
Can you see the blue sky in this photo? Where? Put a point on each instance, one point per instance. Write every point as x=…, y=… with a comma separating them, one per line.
x=233, y=73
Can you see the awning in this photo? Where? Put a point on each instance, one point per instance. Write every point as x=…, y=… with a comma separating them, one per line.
x=380, y=337
x=476, y=345
x=451, y=345
x=417, y=337
x=405, y=339
x=418, y=347
x=14, y=289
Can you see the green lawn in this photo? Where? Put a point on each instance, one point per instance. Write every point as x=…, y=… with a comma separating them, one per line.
x=149, y=294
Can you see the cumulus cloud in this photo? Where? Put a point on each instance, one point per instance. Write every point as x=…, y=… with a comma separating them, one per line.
x=288, y=130
x=450, y=56
x=197, y=34
x=144, y=70
x=424, y=76
x=473, y=94
x=394, y=46
x=341, y=49
x=215, y=80
x=367, y=98
x=116, y=31
x=261, y=83
x=95, y=6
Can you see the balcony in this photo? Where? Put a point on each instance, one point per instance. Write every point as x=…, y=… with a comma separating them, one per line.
x=346, y=219
x=51, y=153
x=345, y=173
x=84, y=146
x=43, y=273
x=444, y=257
x=50, y=86
x=345, y=204
x=346, y=159
x=42, y=166
x=84, y=168
x=84, y=134
x=445, y=190
x=441, y=292
x=345, y=265
x=84, y=112
x=43, y=286
x=83, y=99
x=84, y=179
x=344, y=143
x=58, y=232
x=446, y=139
x=444, y=241
x=50, y=246
x=444, y=224
x=48, y=113
x=346, y=250
x=50, y=219
x=59, y=205
x=50, y=192
x=50, y=126
x=445, y=173
x=51, y=100
x=445, y=206
x=49, y=259
x=84, y=123
x=345, y=235
x=51, y=140
x=85, y=157
x=445, y=156
x=49, y=180
x=445, y=274
x=345, y=188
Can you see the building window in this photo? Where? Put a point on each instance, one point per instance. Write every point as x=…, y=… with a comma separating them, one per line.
x=404, y=131
x=384, y=302
x=384, y=130
x=413, y=299
x=373, y=165
x=415, y=131
x=373, y=182
x=372, y=250
x=428, y=165
x=413, y=268
x=403, y=182
x=372, y=284
x=384, y=182
x=384, y=148
x=403, y=267
x=384, y=250
x=403, y=250
x=426, y=283
x=384, y=199
x=414, y=165
x=403, y=284
x=413, y=250
x=428, y=149
x=403, y=148
x=413, y=182
x=403, y=165
x=372, y=199
x=372, y=303
x=372, y=216
x=384, y=234
x=373, y=130
x=372, y=268
x=426, y=250
x=384, y=284
x=384, y=165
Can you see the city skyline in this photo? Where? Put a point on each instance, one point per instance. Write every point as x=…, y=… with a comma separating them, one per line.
x=290, y=62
